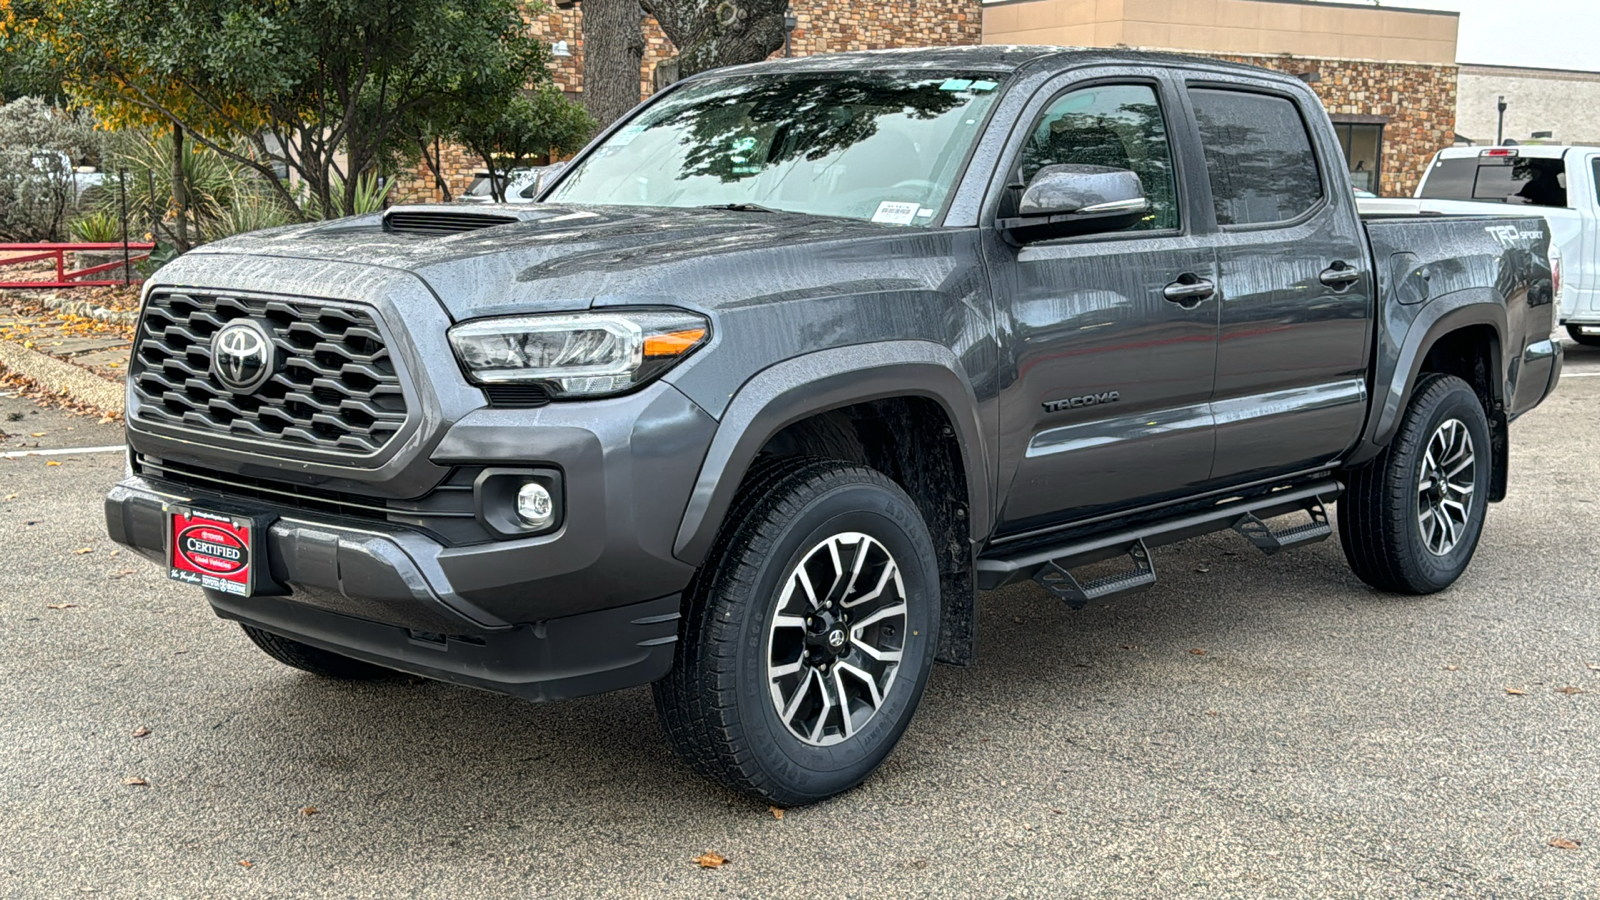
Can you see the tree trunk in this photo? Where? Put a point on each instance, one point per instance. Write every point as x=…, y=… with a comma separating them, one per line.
x=613, y=49
x=710, y=34
x=180, y=189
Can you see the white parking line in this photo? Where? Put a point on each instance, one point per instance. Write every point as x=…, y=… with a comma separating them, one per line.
x=66, y=451
x=1566, y=375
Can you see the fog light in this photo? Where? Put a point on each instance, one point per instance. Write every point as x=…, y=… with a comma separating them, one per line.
x=534, y=506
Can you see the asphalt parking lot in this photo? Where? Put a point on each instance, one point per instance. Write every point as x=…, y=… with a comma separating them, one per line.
x=1251, y=727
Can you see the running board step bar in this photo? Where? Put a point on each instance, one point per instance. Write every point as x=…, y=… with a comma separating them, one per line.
x=1269, y=542
x=1051, y=566
x=1060, y=581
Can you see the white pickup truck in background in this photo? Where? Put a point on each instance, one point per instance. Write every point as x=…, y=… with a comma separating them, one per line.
x=1560, y=183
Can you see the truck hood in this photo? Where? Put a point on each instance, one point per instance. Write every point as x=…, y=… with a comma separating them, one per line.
x=545, y=258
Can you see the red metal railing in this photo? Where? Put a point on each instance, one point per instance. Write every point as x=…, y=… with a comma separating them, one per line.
x=136, y=252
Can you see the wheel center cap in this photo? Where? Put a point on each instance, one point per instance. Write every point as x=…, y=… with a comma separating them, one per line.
x=836, y=638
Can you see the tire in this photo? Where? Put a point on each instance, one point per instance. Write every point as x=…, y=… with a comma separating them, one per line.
x=313, y=659
x=1587, y=340
x=737, y=661
x=1409, y=534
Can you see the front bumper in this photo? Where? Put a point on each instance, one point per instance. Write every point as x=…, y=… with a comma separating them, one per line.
x=373, y=589
x=557, y=659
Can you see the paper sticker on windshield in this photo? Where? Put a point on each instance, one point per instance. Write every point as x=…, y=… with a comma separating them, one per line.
x=985, y=85
x=625, y=137
x=893, y=212
x=956, y=84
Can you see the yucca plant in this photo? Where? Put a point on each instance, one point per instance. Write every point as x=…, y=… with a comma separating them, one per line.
x=102, y=226
x=214, y=182
x=251, y=210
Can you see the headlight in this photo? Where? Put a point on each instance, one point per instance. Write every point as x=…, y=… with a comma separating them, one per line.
x=578, y=354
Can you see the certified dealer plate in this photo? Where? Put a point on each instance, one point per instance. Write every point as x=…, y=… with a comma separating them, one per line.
x=212, y=550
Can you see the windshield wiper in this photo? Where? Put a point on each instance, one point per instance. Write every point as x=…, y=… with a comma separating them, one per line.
x=743, y=207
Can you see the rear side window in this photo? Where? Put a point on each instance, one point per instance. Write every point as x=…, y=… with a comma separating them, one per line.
x=1258, y=155
x=1498, y=179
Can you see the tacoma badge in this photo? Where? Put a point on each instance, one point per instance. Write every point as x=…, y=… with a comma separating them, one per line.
x=1085, y=400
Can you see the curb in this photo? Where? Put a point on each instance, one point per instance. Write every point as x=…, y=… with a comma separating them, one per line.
x=73, y=382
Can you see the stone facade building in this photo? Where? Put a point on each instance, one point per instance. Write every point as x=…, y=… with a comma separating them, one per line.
x=1387, y=76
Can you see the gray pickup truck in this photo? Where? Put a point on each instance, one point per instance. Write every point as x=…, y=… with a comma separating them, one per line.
x=791, y=363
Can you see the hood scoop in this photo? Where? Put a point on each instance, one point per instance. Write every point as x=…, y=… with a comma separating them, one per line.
x=442, y=220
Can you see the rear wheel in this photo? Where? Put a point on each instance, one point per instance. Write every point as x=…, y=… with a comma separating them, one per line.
x=1410, y=519
x=311, y=659
x=808, y=635
x=1588, y=340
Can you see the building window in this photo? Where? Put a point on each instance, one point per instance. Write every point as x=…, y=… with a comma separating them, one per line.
x=1363, y=152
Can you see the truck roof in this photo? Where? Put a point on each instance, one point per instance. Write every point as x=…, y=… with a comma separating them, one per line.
x=1000, y=58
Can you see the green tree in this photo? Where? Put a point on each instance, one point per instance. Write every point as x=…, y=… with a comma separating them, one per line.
x=331, y=90
x=526, y=126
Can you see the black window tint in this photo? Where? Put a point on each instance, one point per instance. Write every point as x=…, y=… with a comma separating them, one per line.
x=1451, y=179
x=1109, y=125
x=1597, y=179
x=1258, y=155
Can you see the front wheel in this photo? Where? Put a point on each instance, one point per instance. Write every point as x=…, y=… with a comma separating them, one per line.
x=808, y=635
x=1410, y=519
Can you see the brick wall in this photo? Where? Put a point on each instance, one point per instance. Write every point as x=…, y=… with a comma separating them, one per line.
x=1419, y=102
x=822, y=26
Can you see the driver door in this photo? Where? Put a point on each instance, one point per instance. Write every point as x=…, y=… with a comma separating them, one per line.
x=1110, y=339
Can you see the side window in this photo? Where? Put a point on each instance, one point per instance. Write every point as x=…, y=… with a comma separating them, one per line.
x=1258, y=155
x=1595, y=163
x=1109, y=125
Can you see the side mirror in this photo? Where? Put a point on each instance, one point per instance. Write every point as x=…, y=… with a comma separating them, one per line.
x=1068, y=200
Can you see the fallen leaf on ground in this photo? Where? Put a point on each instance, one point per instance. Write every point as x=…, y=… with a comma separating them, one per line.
x=1593, y=667
x=1451, y=668
x=1569, y=690
x=308, y=810
x=40, y=433
x=61, y=606
x=1198, y=652
x=777, y=812
x=1564, y=844
x=135, y=782
x=246, y=863
x=52, y=463
x=1202, y=569
x=141, y=731
x=1516, y=692
x=82, y=550
x=115, y=552
x=11, y=496
x=710, y=860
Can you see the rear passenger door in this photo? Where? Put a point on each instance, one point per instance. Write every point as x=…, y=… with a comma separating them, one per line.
x=1294, y=280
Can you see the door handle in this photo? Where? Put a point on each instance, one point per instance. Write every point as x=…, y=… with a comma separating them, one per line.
x=1188, y=290
x=1340, y=275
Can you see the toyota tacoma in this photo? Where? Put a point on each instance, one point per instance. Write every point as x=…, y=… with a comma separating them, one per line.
x=798, y=358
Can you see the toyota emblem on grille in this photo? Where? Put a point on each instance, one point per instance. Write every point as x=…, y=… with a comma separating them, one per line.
x=242, y=356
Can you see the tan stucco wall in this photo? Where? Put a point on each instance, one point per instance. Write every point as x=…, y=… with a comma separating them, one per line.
x=1566, y=103
x=1257, y=27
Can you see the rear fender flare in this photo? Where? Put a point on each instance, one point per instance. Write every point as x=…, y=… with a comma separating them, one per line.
x=803, y=386
x=1398, y=367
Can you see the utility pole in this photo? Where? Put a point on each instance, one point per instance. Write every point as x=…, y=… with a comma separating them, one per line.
x=1500, y=125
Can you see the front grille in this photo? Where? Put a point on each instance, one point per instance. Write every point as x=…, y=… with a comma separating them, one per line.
x=448, y=512
x=334, y=389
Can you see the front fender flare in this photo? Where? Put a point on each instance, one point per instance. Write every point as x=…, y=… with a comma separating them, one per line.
x=796, y=388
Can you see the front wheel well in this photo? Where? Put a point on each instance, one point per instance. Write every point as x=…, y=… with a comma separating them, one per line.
x=1472, y=354
x=913, y=441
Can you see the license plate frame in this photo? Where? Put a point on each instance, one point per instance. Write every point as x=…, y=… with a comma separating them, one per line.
x=215, y=549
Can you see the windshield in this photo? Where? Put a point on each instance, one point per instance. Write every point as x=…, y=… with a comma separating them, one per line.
x=1499, y=179
x=882, y=146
